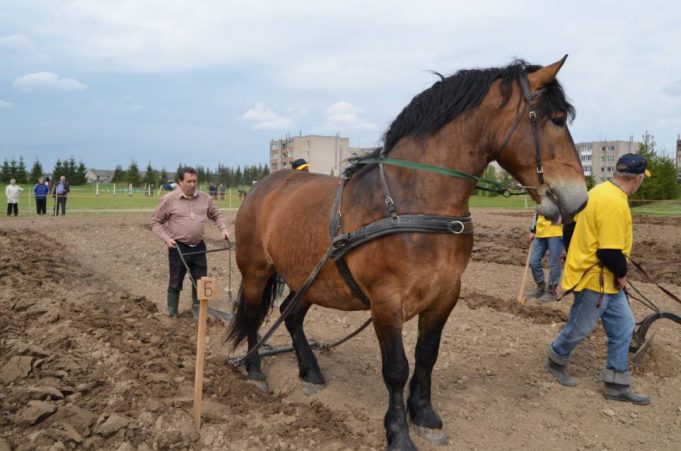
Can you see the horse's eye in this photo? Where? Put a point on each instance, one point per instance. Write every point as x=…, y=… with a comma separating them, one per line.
x=559, y=121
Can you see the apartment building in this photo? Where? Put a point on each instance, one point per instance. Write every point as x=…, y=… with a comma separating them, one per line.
x=326, y=154
x=600, y=157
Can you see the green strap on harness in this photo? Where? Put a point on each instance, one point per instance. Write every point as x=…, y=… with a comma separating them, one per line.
x=498, y=187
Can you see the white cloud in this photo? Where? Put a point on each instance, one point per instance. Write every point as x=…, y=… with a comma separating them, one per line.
x=15, y=43
x=4, y=104
x=46, y=81
x=345, y=116
x=264, y=118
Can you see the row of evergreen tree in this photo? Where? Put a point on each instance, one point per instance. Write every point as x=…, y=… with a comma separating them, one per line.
x=230, y=177
x=16, y=169
x=75, y=173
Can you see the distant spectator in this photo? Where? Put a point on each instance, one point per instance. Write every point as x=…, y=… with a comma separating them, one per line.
x=221, y=188
x=40, y=191
x=213, y=191
x=545, y=236
x=61, y=192
x=12, y=192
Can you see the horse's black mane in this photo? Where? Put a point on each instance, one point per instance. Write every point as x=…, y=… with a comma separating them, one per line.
x=451, y=96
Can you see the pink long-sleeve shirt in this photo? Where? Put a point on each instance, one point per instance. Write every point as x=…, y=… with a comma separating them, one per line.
x=182, y=218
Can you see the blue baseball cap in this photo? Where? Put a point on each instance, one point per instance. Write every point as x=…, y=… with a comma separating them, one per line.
x=631, y=163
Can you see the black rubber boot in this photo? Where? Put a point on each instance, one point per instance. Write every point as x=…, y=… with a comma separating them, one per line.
x=540, y=290
x=173, y=303
x=548, y=296
x=617, y=392
x=559, y=373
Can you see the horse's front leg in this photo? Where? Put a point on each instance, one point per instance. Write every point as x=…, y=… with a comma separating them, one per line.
x=388, y=326
x=431, y=322
x=308, y=368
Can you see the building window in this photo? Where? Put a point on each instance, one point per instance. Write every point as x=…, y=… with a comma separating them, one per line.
x=611, y=148
x=610, y=168
x=611, y=158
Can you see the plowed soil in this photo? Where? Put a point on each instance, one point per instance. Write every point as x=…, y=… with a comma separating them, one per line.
x=89, y=360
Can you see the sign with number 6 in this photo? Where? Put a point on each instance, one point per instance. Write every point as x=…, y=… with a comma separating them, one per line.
x=207, y=288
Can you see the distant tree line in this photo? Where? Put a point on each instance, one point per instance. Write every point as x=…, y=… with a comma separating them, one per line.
x=230, y=177
x=75, y=173
x=16, y=169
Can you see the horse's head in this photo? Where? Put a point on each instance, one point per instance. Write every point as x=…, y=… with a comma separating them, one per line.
x=536, y=146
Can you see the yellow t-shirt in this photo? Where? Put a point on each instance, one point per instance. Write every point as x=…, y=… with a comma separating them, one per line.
x=547, y=230
x=605, y=223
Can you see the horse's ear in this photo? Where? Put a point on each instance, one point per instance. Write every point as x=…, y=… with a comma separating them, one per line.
x=542, y=77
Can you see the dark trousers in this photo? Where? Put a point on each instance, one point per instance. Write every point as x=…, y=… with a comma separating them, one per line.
x=12, y=208
x=198, y=266
x=61, y=203
x=41, y=205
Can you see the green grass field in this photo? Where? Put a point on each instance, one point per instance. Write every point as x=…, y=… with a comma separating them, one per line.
x=84, y=200
x=658, y=208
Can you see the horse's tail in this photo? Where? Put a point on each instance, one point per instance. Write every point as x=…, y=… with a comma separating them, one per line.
x=245, y=319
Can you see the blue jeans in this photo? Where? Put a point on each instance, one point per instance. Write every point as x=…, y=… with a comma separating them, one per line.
x=539, y=247
x=618, y=322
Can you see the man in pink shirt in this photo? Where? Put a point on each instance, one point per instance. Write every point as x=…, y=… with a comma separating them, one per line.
x=179, y=222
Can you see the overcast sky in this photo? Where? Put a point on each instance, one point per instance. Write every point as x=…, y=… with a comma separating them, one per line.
x=213, y=81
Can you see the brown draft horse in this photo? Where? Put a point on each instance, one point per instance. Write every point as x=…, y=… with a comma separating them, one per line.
x=462, y=122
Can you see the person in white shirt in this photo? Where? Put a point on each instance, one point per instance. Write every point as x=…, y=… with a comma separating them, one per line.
x=12, y=192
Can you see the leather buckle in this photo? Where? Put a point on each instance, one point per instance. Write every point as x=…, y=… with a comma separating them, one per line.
x=339, y=242
x=462, y=227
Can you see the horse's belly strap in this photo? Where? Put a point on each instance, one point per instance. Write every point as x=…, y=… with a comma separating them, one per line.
x=454, y=225
x=343, y=243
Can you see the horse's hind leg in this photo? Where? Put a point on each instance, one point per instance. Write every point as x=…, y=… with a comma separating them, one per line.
x=308, y=368
x=431, y=323
x=256, y=297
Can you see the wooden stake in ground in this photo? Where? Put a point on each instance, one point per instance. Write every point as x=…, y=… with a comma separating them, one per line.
x=521, y=293
x=207, y=289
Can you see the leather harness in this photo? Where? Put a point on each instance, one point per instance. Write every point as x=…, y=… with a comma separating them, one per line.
x=342, y=243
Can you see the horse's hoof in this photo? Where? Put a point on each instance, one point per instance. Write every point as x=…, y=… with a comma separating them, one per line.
x=312, y=389
x=404, y=445
x=259, y=384
x=435, y=436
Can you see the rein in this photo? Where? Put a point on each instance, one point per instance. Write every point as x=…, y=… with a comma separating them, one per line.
x=498, y=187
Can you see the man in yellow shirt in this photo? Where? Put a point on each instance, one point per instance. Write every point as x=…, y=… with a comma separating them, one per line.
x=596, y=269
x=545, y=236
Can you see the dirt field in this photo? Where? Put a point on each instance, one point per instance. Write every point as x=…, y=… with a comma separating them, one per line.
x=88, y=358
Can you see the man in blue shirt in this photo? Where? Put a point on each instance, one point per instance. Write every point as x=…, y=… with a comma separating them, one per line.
x=40, y=191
